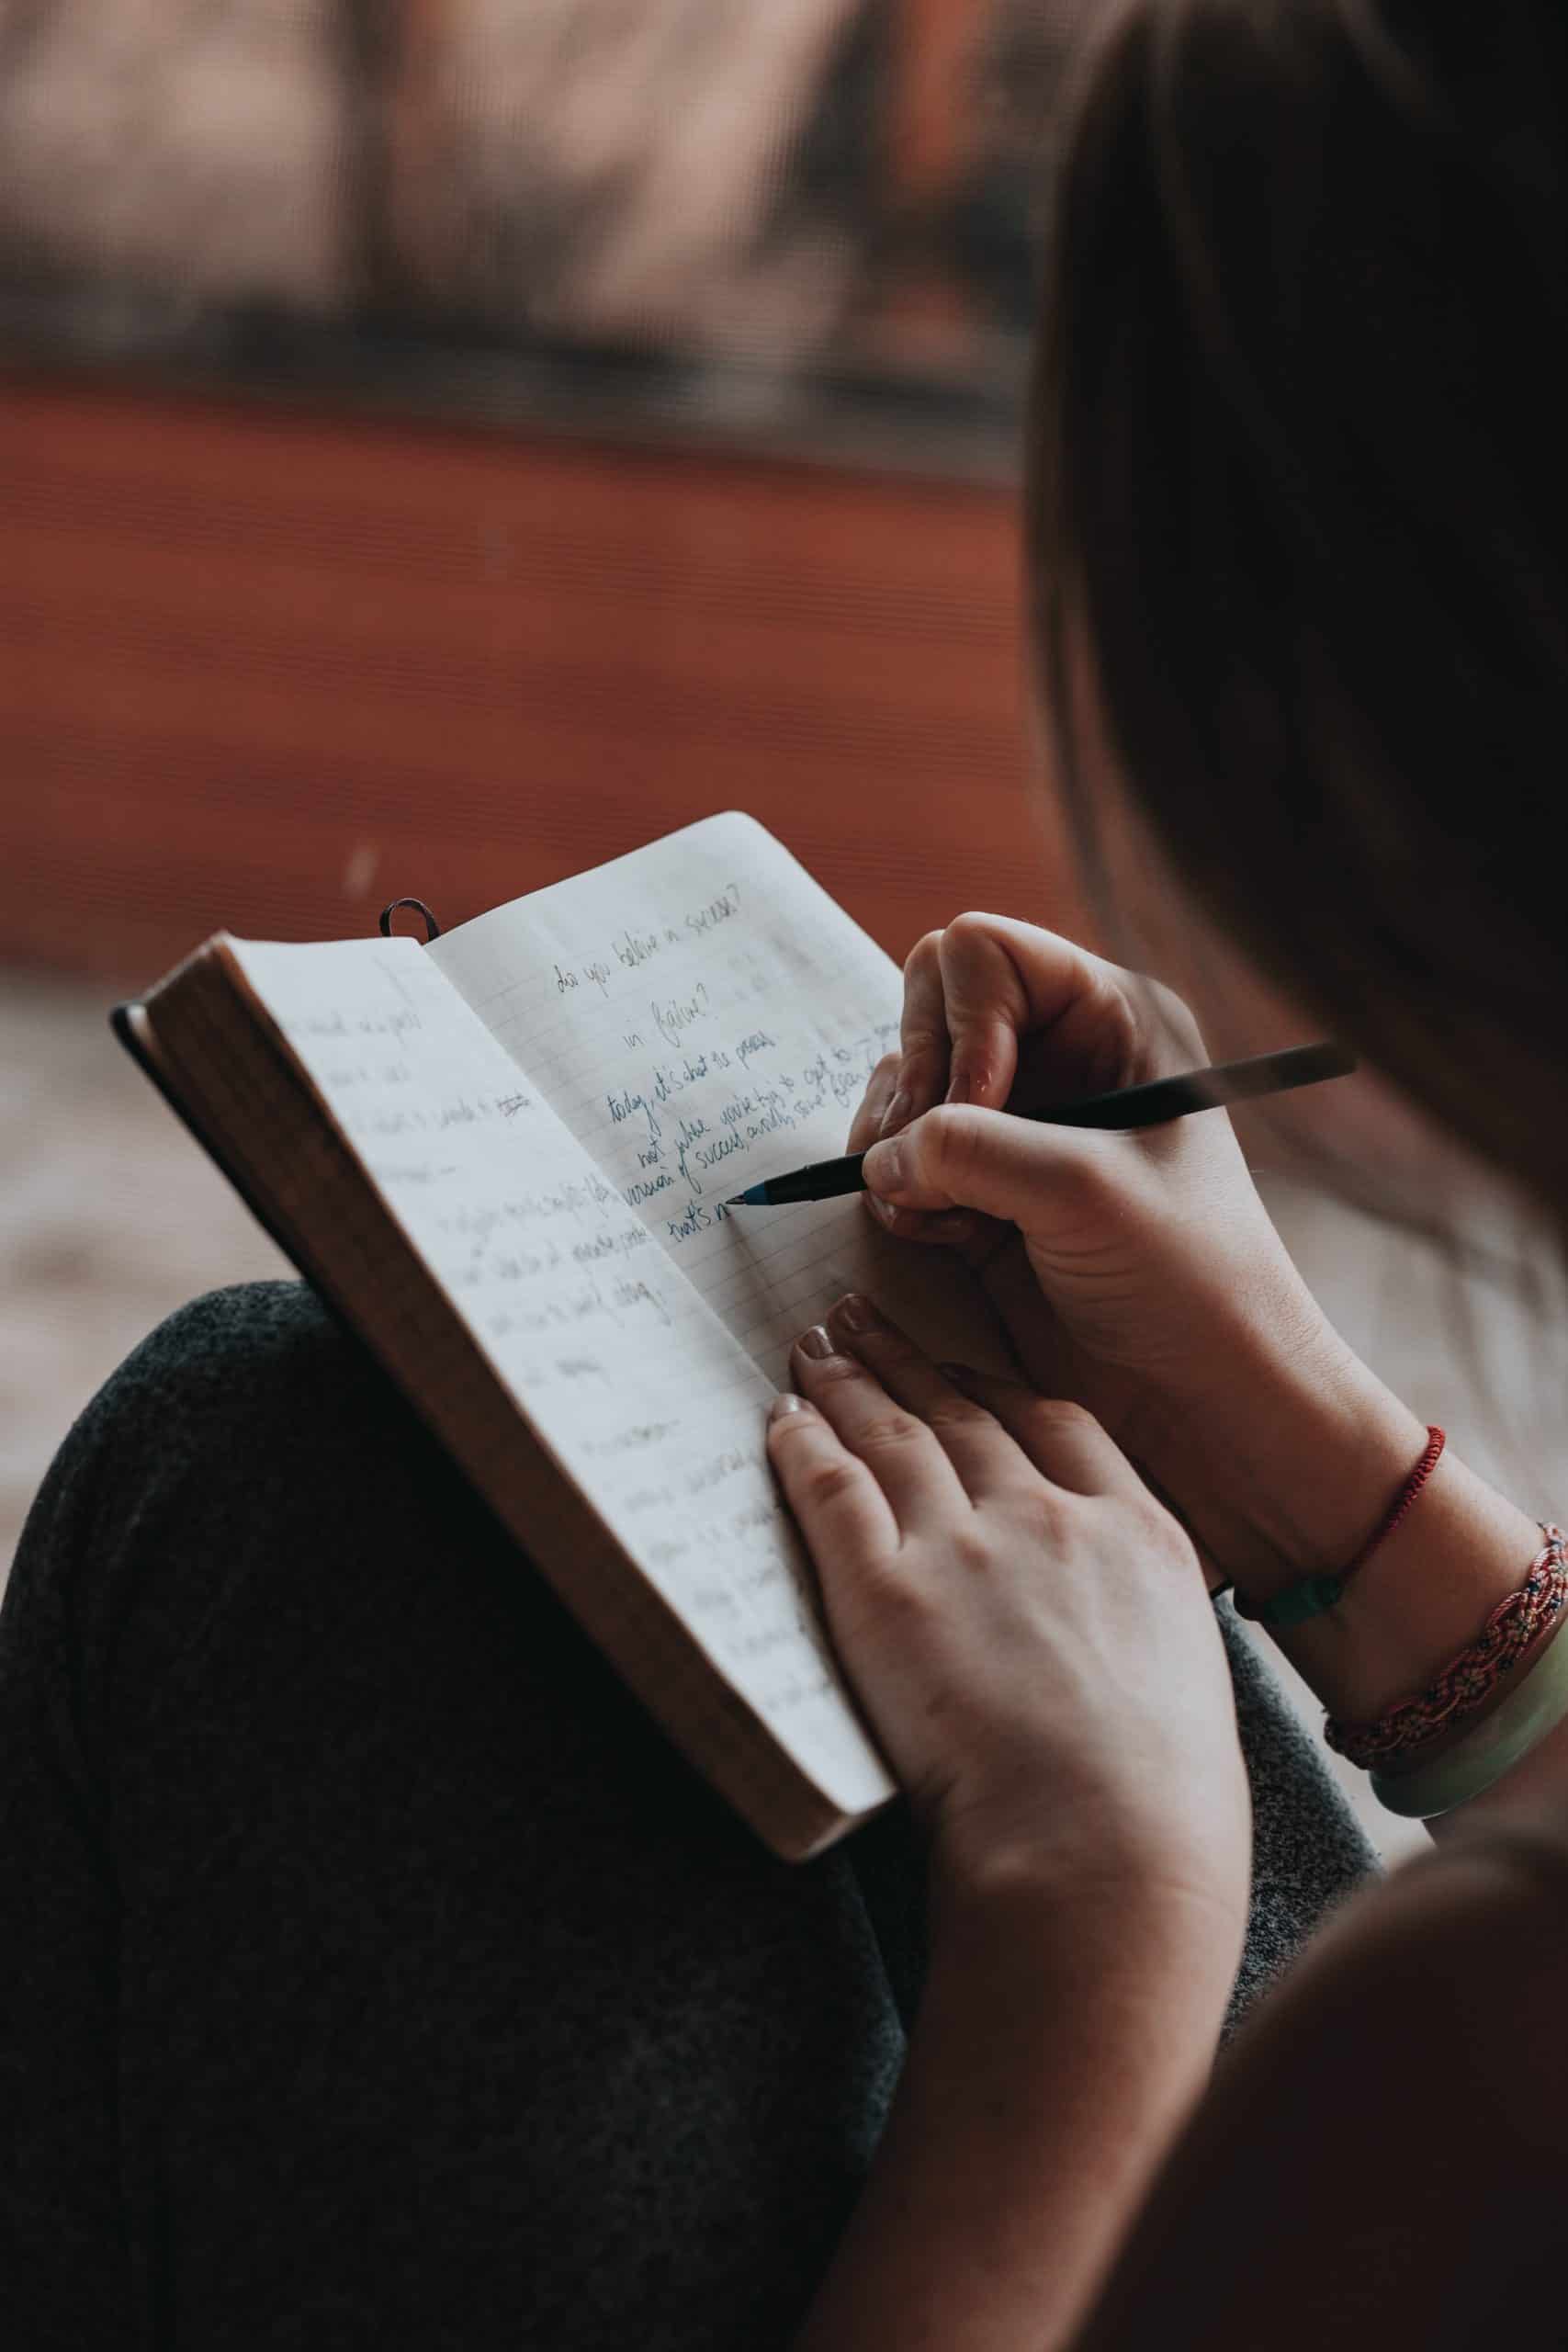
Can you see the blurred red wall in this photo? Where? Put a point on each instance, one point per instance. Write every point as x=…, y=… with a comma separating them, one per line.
x=263, y=670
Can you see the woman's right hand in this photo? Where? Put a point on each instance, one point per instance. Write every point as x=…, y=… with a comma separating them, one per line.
x=1137, y=1274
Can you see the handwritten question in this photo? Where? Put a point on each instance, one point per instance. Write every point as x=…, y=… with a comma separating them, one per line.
x=631, y=949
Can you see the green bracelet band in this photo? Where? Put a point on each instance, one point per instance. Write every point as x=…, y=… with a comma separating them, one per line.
x=1535, y=1706
x=1310, y=1597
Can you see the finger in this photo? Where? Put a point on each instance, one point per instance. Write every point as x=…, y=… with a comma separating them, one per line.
x=986, y=1006
x=906, y=1225
x=980, y=1451
x=1063, y=1440
x=902, y=1455
x=946, y=1228
x=1214, y=1576
x=1004, y=982
x=1028, y=1175
x=1132, y=1029
x=866, y=1125
x=924, y=1045
x=842, y=1512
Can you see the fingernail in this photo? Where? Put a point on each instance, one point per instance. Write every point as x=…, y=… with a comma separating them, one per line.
x=884, y=1167
x=785, y=1403
x=958, y=1087
x=897, y=1113
x=817, y=1343
x=856, y=1313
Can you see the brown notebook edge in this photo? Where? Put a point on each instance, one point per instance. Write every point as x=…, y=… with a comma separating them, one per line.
x=541, y=1507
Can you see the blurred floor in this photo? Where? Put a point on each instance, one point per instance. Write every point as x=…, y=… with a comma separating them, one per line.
x=110, y=1218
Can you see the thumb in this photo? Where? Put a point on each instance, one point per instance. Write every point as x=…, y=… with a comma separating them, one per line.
x=961, y=1156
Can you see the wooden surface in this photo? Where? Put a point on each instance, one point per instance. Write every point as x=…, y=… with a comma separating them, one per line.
x=265, y=671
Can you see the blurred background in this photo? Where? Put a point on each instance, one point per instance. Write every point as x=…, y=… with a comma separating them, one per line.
x=446, y=442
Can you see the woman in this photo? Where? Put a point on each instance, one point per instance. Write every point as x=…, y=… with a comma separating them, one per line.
x=1298, y=540
x=374, y=1973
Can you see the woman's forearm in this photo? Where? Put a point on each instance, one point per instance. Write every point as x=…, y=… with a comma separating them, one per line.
x=1289, y=1478
x=1421, y=1598
x=1062, y=2041
x=1310, y=1454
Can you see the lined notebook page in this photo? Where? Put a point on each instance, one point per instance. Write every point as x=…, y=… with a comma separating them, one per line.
x=702, y=1015
x=631, y=1383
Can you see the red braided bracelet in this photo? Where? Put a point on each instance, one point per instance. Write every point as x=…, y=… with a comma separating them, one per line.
x=1459, y=1728
x=1313, y=1595
x=1436, y=1441
x=1467, y=1683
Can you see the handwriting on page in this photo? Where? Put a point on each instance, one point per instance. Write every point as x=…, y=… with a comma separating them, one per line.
x=631, y=1381
x=703, y=1018
x=634, y=946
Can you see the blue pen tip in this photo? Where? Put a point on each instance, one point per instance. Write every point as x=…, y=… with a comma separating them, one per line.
x=755, y=1197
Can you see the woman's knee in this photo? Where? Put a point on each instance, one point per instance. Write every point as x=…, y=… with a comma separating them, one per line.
x=248, y=1462
x=257, y=1372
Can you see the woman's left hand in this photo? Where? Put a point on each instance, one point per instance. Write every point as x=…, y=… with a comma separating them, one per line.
x=1026, y=1627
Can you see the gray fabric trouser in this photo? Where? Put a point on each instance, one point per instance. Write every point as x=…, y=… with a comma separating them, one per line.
x=372, y=1972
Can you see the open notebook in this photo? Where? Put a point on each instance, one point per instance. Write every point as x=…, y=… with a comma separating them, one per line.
x=502, y=1157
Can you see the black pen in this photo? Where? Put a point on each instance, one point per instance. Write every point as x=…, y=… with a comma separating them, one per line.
x=1148, y=1105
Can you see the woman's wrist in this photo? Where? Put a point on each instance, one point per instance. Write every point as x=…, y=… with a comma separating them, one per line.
x=1059, y=2047
x=1422, y=1598
x=1295, y=1477
x=1141, y=1889
x=1280, y=1448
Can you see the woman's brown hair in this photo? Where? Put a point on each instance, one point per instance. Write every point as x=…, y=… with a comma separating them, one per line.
x=1297, y=468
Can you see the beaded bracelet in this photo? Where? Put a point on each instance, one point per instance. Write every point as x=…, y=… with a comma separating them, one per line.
x=1313, y=1595
x=1468, y=1683
x=1535, y=1707
x=1461, y=1728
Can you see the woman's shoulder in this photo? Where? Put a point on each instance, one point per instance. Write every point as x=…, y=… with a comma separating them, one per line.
x=1462, y=1938
x=1479, y=1927
x=1430, y=1996
x=1527, y=1842
x=1532, y=1844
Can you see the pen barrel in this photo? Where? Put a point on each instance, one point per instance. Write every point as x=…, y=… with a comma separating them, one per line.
x=825, y=1180
x=1162, y=1098
x=1150, y=1104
